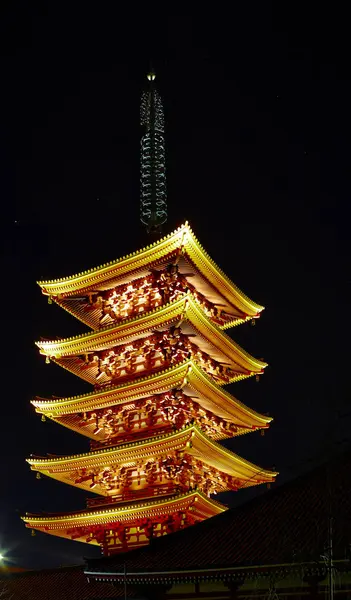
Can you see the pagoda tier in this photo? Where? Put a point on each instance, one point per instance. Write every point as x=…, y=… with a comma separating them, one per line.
x=151, y=342
x=120, y=528
x=162, y=465
x=144, y=280
x=170, y=399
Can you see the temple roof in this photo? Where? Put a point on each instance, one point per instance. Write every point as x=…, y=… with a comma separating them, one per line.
x=188, y=376
x=62, y=524
x=56, y=584
x=190, y=439
x=279, y=530
x=180, y=245
x=205, y=334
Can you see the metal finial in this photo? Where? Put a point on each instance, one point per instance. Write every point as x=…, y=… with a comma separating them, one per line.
x=153, y=191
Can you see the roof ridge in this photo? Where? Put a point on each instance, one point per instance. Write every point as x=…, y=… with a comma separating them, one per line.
x=117, y=260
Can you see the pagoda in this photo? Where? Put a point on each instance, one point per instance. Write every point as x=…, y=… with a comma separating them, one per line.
x=158, y=359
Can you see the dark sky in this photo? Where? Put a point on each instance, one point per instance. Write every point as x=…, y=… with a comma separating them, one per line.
x=257, y=106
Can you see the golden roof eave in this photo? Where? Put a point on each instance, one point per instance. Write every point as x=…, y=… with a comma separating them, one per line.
x=119, y=514
x=224, y=404
x=202, y=447
x=182, y=239
x=183, y=309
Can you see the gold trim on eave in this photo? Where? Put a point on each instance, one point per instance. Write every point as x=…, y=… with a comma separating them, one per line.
x=223, y=402
x=210, y=452
x=184, y=308
x=181, y=239
x=108, y=515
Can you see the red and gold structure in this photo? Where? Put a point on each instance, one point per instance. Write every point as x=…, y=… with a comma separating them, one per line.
x=158, y=358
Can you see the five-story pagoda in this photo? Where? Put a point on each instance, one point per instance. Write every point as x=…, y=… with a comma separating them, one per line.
x=158, y=359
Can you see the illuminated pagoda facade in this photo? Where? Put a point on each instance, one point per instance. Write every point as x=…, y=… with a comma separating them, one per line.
x=158, y=359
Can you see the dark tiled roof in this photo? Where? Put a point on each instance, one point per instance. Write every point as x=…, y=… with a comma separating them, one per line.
x=287, y=524
x=57, y=584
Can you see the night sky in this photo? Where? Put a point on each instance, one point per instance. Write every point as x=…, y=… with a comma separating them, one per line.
x=257, y=106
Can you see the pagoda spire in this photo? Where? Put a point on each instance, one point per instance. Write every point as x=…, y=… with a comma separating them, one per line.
x=153, y=191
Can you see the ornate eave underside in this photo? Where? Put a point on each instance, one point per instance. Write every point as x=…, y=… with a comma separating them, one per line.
x=205, y=275
x=188, y=376
x=192, y=439
x=204, y=334
x=79, y=525
x=81, y=308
